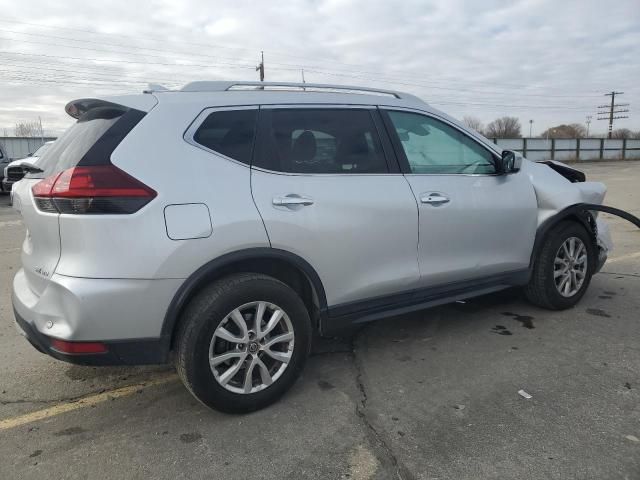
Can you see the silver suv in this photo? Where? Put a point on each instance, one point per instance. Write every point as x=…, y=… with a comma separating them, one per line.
x=225, y=224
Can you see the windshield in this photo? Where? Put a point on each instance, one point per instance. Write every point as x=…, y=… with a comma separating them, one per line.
x=39, y=152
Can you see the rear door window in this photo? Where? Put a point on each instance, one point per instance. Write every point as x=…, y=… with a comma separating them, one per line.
x=229, y=132
x=319, y=140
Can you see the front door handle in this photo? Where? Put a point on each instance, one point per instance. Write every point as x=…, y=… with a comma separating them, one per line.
x=292, y=200
x=434, y=198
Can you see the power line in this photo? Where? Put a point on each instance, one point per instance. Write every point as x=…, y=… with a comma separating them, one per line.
x=613, y=110
x=189, y=65
x=272, y=52
x=146, y=55
x=135, y=62
x=287, y=65
x=31, y=68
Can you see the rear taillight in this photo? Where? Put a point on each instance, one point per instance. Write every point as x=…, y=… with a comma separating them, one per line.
x=92, y=190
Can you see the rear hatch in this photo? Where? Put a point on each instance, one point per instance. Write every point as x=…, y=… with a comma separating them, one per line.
x=76, y=177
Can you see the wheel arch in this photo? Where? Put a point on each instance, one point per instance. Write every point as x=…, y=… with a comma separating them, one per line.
x=577, y=213
x=285, y=266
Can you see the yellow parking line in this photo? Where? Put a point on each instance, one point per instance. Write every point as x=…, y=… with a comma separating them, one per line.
x=624, y=257
x=84, y=402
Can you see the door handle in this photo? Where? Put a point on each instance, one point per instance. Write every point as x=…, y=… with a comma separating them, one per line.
x=292, y=200
x=434, y=198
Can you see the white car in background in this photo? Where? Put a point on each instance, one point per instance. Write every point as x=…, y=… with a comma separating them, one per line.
x=15, y=170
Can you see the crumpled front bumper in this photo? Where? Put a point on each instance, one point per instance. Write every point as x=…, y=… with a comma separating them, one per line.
x=605, y=244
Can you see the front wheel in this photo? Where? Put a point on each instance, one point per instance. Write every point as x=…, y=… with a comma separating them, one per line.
x=242, y=342
x=562, y=272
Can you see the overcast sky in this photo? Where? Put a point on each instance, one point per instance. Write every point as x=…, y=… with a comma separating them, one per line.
x=546, y=60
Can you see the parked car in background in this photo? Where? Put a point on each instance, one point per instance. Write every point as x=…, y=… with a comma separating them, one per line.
x=14, y=172
x=305, y=209
x=4, y=161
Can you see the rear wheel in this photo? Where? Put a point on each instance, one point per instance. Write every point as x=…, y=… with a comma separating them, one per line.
x=242, y=342
x=563, y=269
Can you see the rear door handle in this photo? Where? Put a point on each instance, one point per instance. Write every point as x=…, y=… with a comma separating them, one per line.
x=292, y=200
x=434, y=198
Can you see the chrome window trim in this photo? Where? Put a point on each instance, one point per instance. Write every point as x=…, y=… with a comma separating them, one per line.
x=356, y=106
x=386, y=174
x=454, y=126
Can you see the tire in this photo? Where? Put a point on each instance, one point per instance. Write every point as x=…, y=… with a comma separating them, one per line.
x=205, y=326
x=542, y=289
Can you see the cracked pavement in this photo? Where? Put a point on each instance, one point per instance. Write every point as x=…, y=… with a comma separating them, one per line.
x=430, y=395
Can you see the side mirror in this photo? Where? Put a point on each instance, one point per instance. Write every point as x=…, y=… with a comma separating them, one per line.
x=510, y=162
x=30, y=154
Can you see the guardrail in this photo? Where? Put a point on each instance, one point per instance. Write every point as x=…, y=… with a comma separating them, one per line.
x=572, y=149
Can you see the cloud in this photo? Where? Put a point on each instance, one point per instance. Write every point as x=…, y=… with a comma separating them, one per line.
x=544, y=60
x=222, y=27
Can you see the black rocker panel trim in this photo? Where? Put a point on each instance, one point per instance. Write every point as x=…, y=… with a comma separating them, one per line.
x=345, y=316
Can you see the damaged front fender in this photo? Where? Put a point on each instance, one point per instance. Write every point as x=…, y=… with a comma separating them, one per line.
x=555, y=192
x=562, y=193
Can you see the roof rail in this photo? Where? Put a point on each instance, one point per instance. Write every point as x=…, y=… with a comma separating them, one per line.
x=222, y=86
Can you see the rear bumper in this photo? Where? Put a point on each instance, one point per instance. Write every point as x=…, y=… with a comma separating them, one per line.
x=125, y=315
x=133, y=352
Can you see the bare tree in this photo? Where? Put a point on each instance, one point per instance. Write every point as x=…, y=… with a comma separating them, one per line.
x=573, y=130
x=504, y=127
x=622, y=133
x=473, y=123
x=27, y=129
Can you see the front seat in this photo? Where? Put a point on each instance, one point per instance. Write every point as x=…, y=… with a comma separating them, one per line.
x=303, y=152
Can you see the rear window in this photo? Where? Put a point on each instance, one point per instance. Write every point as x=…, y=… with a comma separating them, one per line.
x=89, y=141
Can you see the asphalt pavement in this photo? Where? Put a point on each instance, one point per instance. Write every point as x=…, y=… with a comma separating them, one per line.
x=431, y=395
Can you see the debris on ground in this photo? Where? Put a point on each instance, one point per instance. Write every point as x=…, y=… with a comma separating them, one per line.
x=524, y=394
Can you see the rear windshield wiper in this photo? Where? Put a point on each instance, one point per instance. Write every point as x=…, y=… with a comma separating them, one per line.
x=30, y=168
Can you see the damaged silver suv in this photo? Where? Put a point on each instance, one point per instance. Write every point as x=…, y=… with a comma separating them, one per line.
x=301, y=209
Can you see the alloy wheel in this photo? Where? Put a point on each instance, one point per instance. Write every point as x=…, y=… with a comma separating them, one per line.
x=251, y=347
x=570, y=267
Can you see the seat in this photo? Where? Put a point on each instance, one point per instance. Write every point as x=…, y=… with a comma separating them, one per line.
x=353, y=154
x=303, y=152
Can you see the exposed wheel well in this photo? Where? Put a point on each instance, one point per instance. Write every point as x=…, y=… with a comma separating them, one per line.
x=292, y=271
x=575, y=213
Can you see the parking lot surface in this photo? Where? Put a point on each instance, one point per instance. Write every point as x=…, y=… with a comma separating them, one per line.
x=431, y=395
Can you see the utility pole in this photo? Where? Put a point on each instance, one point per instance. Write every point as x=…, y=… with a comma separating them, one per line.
x=614, y=109
x=588, y=122
x=302, y=71
x=530, y=128
x=41, y=131
x=260, y=68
